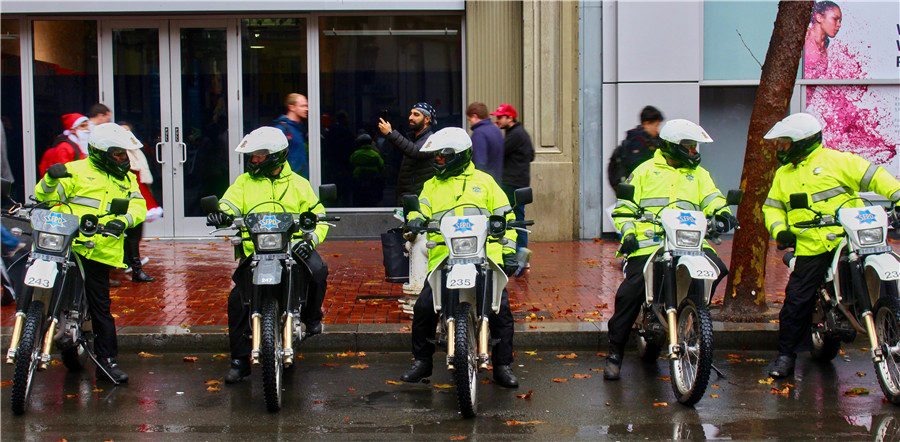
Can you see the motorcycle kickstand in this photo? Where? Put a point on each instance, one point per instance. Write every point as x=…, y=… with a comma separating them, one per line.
x=97, y=363
x=718, y=372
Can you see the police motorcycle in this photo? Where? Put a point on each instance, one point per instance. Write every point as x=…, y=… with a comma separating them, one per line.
x=678, y=278
x=467, y=285
x=859, y=293
x=274, y=318
x=52, y=306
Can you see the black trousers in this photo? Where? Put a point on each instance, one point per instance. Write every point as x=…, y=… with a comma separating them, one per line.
x=425, y=322
x=239, y=301
x=96, y=287
x=132, y=244
x=795, y=318
x=630, y=296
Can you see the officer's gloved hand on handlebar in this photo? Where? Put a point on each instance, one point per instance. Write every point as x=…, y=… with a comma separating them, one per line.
x=629, y=244
x=728, y=221
x=786, y=239
x=58, y=171
x=894, y=218
x=510, y=264
x=303, y=249
x=114, y=227
x=415, y=223
x=219, y=219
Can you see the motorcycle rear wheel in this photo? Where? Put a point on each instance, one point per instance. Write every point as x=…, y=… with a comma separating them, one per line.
x=271, y=353
x=466, y=361
x=887, y=331
x=690, y=370
x=27, y=356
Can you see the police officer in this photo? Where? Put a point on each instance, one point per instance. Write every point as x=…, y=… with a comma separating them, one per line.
x=456, y=182
x=672, y=175
x=830, y=178
x=269, y=178
x=89, y=185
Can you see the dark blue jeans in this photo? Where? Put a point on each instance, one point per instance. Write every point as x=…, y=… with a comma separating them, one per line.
x=522, y=240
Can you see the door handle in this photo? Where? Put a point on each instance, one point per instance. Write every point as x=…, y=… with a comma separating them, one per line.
x=183, y=152
x=158, y=154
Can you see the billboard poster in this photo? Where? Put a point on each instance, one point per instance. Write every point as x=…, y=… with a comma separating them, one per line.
x=855, y=40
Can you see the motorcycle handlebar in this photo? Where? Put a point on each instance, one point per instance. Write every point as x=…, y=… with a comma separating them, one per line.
x=329, y=218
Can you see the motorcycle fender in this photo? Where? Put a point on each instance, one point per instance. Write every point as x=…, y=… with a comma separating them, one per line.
x=499, y=281
x=699, y=267
x=267, y=272
x=887, y=266
x=434, y=280
x=41, y=274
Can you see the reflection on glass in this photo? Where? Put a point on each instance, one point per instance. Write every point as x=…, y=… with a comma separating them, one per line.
x=204, y=116
x=136, y=86
x=11, y=106
x=65, y=75
x=375, y=67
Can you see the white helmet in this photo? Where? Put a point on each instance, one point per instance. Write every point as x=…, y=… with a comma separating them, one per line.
x=454, y=147
x=678, y=133
x=264, y=138
x=796, y=127
x=103, y=148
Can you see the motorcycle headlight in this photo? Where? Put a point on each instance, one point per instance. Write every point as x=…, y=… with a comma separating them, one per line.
x=687, y=238
x=461, y=246
x=871, y=236
x=50, y=241
x=269, y=241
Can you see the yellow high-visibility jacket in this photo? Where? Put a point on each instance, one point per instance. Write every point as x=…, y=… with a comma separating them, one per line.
x=472, y=192
x=90, y=191
x=656, y=184
x=291, y=190
x=829, y=177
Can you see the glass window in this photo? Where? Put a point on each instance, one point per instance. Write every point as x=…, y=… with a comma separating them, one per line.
x=729, y=29
x=65, y=75
x=11, y=107
x=380, y=66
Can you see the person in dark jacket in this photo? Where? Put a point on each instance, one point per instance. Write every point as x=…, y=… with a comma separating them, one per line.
x=292, y=123
x=518, y=153
x=638, y=146
x=487, y=141
x=415, y=168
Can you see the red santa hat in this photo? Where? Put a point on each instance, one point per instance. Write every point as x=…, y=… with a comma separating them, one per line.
x=71, y=121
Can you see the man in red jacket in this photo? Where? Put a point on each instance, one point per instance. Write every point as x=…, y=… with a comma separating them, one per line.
x=69, y=146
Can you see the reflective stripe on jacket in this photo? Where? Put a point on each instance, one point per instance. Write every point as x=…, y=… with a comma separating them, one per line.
x=465, y=194
x=90, y=191
x=656, y=185
x=291, y=190
x=829, y=178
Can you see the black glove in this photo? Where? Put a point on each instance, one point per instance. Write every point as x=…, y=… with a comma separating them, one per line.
x=114, y=227
x=510, y=264
x=728, y=221
x=219, y=219
x=415, y=223
x=303, y=249
x=629, y=244
x=786, y=239
x=894, y=218
x=58, y=171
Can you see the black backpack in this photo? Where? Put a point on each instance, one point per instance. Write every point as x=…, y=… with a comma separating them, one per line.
x=616, y=170
x=625, y=158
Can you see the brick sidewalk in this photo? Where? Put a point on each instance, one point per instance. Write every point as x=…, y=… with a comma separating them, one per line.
x=568, y=281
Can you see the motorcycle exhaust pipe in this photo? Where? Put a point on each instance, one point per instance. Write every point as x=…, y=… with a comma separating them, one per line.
x=16, y=335
x=859, y=328
x=451, y=343
x=288, y=341
x=483, y=344
x=256, y=328
x=873, y=341
x=673, y=333
x=48, y=342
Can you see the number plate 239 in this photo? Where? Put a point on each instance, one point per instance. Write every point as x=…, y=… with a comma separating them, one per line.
x=462, y=276
x=41, y=274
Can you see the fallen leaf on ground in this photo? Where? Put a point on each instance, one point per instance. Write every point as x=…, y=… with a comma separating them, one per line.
x=394, y=382
x=841, y=352
x=568, y=356
x=581, y=376
x=360, y=366
x=524, y=422
x=459, y=437
x=190, y=359
x=443, y=386
x=71, y=396
x=404, y=328
x=144, y=354
x=6, y=383
x=361, y=354
x=346, y=354
x=713, y=395
x=774, y=321
x=526, y=395
x=860, y=374
x=766, y=381
x=486, y=381
x=531, y=353
x=596, y=369
x=55, y=362
x=351, y=389
x=535, y=326
x=776, y=390
x=602, y=355
x=664, y=378
x=660, y=404
x=317, y=402
x=607, y=404
x=570, y=363
x=716, y=386
x=864, y=349
x=97, y=390
x=219, y=356
x=788, y=385
x=331, y=364
x=211, y=388
x=858, y=391
x=559, y=380
x=212, y=382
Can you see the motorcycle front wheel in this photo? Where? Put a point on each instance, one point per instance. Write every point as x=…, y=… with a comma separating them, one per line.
x=824, y=348
x=271, y=351
x=887, y=331
x=690, y=370
x=27, y=356
x=466, y=361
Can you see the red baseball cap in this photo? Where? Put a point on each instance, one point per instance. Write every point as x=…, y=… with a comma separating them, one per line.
x=506, y=109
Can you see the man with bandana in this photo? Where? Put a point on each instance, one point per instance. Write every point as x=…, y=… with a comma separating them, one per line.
x=415, y=168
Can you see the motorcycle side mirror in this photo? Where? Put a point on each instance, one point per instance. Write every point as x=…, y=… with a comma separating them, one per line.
x=89, y=224
x=327, y=193
x=410, y=204
x=307, y=221
x=625, y=192
x=119, y=206
x=799, y=201
x=209, y=204
x=496, y=225
x=734, y=197
x=523, y=197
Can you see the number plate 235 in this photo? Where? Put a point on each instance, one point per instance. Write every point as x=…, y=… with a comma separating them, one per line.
x=462, y=276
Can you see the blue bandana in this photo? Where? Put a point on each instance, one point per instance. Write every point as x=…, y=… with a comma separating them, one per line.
x=426, y=110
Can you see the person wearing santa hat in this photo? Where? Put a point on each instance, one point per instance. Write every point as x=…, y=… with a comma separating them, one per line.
x=69, y=146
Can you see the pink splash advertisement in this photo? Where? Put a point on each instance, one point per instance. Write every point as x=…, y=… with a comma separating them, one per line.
x=856, y=41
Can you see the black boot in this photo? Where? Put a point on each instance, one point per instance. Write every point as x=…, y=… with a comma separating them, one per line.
x=240, y=369
x=137, y=271
x=613, y=367
x=504, y=377
x=419, y=370
x=783, y=365
x=113, y=372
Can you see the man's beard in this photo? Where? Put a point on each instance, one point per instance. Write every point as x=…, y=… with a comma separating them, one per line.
x=416, y=127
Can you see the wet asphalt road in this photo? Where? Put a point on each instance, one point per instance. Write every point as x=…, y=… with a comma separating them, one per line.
x=327, y=398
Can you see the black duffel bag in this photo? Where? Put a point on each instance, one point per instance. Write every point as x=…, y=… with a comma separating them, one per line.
x=396, y=258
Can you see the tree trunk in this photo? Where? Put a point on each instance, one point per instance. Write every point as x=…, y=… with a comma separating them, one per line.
x=745, y=297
